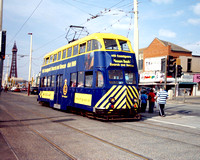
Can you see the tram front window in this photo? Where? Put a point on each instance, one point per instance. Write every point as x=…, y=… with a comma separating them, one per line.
x=115, y=76
x=130, y=77
x=110, y=44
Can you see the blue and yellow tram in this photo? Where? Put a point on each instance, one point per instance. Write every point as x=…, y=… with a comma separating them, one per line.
x=97, y=74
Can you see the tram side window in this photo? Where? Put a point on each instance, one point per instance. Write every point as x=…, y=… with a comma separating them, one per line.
x=42, y=82
x=75, y=50
x=88, y=79
x=89, y=45
x=69, y=52
x=51, y=59
x=64, y=54
x=99, y=79
x=45, y=82
x=59, y=55
x=115, y=76
x=110, y=44
x=73, y=77
x=95, y=44
x=47, y=60
x=124, y=45
x=49, y=81
x=55, y=57
x=53, y=81
x=80, y=79
x=82, y=48
x=130, y=77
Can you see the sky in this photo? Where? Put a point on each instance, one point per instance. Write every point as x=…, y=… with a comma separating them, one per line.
x=176, y=21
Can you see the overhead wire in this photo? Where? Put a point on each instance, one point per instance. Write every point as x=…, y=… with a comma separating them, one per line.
x=25, y=21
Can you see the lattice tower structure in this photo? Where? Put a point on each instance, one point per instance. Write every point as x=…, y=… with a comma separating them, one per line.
x=13, y=69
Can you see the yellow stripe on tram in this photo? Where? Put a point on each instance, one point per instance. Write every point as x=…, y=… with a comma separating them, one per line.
x=107, y=100
x=136, y=91
x=116, y=97
x=132, y=91
x=129, y=92
x=113, y=87
x=120, y=99
x=129, y=100
x=122, y=103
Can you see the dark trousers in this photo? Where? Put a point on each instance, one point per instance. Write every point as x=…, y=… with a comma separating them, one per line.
x=143, y=107
x=151, y=106
x=161, y=109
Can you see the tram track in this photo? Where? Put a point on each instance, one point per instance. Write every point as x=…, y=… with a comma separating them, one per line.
x=153, y=135
x=73, y=128
x=52, y=119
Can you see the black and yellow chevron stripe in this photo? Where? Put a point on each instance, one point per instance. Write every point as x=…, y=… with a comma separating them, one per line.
x=124, y=96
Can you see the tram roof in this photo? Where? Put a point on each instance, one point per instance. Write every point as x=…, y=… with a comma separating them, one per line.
x=91, y=36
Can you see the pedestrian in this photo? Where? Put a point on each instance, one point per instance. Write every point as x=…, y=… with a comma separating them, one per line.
x=161, y=98
x=144, y=98
x=6, y=89
x=151, y=98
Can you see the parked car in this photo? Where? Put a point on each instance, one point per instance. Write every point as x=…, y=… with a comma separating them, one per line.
x=24, y=89
x=34, y=90
x=15, y=89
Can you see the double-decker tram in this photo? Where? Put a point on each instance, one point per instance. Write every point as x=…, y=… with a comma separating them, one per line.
x=96, y=75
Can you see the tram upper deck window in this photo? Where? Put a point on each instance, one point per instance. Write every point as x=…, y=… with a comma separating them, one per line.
x=96, y=44
x=51, y=59
x=55, y=57
x=124, y=45
x=110, y=44
x=69, y=52
x=64, y=54
x=89, y=45
x=115, y=76
x=130, y=77
x=75, y=50
x=82, y=48
x=47, y=60
x=59, y=55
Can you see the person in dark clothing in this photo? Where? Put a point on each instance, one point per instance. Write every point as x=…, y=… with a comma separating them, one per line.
x=144, y=98
x=151, y=98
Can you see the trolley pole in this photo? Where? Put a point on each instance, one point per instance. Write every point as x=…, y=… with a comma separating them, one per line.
x=1, y=58
x=29, y=77
x=136, y=32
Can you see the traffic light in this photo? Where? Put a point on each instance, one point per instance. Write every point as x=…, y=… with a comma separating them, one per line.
x=171, y=66
x=179, y=71
x=2, y=44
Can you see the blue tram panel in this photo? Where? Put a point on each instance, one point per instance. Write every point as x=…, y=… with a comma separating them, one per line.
x=97, y=74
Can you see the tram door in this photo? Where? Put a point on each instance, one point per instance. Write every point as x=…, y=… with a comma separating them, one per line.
x=58, y=92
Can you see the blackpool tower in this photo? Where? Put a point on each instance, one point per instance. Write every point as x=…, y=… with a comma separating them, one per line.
x=13, y=69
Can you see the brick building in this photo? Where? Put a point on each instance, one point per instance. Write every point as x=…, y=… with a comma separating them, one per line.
x=150, y=66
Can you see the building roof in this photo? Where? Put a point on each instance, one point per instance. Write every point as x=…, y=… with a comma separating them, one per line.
x=174, y=47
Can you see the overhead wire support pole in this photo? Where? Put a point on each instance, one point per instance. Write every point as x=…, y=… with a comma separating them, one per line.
x=136, y=31
x=29, y=77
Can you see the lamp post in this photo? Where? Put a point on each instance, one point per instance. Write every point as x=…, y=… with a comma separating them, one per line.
x=29, y=77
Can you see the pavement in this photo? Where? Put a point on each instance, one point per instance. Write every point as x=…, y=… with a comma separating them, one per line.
x=7, y=152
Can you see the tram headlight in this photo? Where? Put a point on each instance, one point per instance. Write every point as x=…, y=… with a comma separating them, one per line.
x=135, y=100
x=112, y=100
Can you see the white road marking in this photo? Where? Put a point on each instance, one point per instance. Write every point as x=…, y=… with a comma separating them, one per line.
x=155, y=120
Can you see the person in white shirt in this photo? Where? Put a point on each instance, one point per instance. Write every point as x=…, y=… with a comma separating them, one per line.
x=161, y=99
